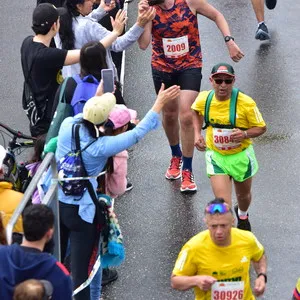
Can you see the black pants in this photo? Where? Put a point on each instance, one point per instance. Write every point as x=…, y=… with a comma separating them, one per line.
x=83, y=237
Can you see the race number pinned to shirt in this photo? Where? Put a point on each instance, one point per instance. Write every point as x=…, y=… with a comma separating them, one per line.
x=176, y=47
x=223, y=139
x=233, y=290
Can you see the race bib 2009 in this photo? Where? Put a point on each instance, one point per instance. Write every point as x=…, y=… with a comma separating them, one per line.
x=176, y=47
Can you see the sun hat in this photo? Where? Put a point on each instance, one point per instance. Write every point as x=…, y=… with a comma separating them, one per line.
x=97, y=109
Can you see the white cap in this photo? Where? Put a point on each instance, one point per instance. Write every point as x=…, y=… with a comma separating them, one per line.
x=2, y=155
x=97, y=109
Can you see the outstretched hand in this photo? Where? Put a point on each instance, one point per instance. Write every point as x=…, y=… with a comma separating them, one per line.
x=165, y=96
x=119, y=22
x=146, y=16
x=108, y=7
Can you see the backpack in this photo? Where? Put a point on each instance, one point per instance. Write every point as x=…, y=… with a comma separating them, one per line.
x=232, y=111
x=71, y=166
x=86, y=88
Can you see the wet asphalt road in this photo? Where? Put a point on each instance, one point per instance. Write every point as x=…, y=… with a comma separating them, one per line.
x=156, y=219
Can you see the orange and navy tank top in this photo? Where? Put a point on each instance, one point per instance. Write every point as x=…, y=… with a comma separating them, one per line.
x=175, y=39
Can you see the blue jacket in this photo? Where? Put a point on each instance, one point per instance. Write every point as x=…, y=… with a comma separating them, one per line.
x=18, y=264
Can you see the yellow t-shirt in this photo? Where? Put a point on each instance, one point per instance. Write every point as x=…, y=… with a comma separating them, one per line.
x=247, y=116
x=200, y=256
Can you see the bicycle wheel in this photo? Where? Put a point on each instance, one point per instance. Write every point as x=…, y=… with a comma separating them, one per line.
x=270, y=4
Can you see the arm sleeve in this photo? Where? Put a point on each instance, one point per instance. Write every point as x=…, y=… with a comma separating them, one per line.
x=257, y=249
x=97, y=13
x=96, y=31
x=185, y=265
x=111, y=145
x=126, y=40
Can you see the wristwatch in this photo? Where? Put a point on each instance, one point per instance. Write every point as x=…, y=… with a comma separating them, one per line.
x=263, y=274
x=227, y=38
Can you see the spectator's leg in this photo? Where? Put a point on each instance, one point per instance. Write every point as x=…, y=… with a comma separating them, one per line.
x=83, y=237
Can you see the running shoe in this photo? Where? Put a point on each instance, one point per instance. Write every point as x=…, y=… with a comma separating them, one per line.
x=262, y=32
x=174, y=170
x=242, y=224
x=270, y=4
x=187, y=182
x=129, y=187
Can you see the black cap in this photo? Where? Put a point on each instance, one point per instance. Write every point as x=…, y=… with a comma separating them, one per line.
x=222, y=68
x=45, y=15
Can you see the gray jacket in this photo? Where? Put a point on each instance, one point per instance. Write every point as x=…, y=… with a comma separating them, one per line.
x=87, y=29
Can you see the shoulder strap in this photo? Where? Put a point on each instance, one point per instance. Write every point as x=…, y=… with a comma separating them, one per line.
x=26, y=70
x=88, y=183
x=207, y=106
x=62, y=96
x=232, y=108
x=77, y=140
x=233, y=103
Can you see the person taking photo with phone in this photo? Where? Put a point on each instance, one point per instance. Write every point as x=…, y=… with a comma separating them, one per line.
x=77, y=28
x=77, y=218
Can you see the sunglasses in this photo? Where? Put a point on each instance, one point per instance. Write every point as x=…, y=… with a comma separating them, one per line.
x=220, y=81
x=218, y=208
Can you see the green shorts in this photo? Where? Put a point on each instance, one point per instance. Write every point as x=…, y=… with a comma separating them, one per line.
x=240, y=166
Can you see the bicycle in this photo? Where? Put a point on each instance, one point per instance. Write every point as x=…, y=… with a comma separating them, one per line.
x=14, y=172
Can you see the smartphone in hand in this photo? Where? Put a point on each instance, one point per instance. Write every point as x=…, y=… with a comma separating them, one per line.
x=107, y=76
x=107, y=2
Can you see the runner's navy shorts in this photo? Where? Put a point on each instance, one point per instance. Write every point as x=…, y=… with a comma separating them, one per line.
x=189, y=79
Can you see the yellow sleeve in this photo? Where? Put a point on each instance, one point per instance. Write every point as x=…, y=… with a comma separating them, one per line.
x=254, y=116
x=257, y=249
x=184, y=265
x=199, y=103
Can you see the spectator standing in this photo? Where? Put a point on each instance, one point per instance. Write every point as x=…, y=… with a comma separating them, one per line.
x=77, y=28
x=42, y=65
x=116, y=176
x=77, y=218
x=9, y=201
x=21, y=262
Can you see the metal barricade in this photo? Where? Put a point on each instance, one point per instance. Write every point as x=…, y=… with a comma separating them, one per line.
x=50, y=199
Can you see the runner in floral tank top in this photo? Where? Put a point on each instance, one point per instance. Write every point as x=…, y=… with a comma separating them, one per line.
x=177, y=60
x=176, y=44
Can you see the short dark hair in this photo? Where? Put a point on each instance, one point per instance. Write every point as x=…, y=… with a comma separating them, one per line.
x=37, y=220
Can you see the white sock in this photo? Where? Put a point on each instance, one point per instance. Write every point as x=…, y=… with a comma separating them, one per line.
x=243, y=214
